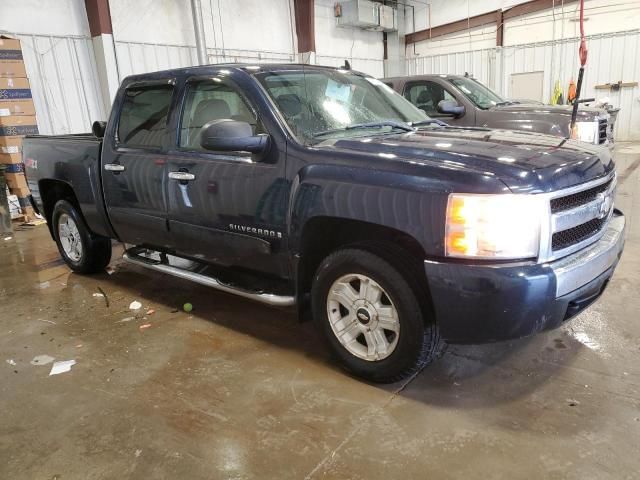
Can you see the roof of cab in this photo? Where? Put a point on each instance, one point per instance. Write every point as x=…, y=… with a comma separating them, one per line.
x=250, y=68
x=420, y=77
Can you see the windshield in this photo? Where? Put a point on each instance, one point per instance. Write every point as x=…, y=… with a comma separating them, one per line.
x=321, y=104
x=480, y=95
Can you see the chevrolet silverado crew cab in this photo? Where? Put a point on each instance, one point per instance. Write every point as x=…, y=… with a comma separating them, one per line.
x=463, y=101
x=322, y=187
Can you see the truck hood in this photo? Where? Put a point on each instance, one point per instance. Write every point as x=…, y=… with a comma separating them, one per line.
x=525, y=162
x=584, y=113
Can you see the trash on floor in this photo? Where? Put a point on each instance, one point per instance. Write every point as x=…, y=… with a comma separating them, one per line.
x=11, y=361
x=47, y=321
x=145, y=325
x=187, y=307
x=135, y=305
x=128, y=319
x=42, y=360
x=104, y=295
x=100, y=295
x=61, y=367
x=151, y=311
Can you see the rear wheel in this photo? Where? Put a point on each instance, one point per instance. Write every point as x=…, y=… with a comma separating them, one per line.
x=83, y=251
x=371, y=316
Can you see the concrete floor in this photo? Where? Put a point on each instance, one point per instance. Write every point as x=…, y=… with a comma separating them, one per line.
x=237, y=390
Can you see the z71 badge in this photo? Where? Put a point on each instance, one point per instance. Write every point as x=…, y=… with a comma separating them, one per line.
x=261, y=232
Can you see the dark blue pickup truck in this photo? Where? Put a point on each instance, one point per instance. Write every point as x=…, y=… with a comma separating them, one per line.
x=297, y=185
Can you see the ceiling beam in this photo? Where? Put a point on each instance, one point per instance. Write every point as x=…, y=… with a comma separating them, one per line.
x=453, y=27
x=533, y=7
x=484, y=19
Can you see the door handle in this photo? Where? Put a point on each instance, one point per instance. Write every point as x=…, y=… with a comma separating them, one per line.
x=114, y=167
x=182, y=176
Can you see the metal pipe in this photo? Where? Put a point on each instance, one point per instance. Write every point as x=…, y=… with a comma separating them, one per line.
x=198, y=28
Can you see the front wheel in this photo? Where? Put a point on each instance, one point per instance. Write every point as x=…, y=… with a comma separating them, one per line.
x=83, y=251
x=371, y=316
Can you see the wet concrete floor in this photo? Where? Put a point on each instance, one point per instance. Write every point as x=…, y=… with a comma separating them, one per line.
x=237, y=390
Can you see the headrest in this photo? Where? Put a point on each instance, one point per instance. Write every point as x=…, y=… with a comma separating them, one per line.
x=424, y=96
x=207, y=110
x=290, y=104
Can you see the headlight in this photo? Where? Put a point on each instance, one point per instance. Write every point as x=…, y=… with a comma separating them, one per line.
x=503, y=226
x=585, y=131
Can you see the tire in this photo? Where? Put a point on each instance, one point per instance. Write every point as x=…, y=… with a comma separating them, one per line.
x=376, y=344
x=82, y=251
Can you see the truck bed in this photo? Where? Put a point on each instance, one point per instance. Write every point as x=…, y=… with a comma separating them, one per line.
x=69, y=161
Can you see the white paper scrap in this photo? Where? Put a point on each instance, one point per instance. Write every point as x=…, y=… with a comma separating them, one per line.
x=61, y=367
x=135, y=305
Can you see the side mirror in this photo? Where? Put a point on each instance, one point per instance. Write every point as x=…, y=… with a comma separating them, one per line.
x=98, y=128
x=450, y=107
x=232, y=136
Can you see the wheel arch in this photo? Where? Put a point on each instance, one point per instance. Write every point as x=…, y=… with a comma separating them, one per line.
x=323, y=235
x=51, y=191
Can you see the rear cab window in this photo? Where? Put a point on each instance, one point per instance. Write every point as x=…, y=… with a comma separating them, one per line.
x=144, y=114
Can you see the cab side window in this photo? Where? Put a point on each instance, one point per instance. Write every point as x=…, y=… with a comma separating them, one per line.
x=143, y=117
x=426, y=96
x=206, y=101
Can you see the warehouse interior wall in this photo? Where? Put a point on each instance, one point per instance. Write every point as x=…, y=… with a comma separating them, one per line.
x=148, y=35
x=363, y=48
x=59, y=60
x=601, y=16
x=151, y=35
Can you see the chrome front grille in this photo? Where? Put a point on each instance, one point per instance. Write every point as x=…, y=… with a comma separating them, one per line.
x=578, y=217
x=602, y=130
x=575, y=200
x=571, y=236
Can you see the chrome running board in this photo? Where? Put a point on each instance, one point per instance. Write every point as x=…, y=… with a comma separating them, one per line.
x=268, y=298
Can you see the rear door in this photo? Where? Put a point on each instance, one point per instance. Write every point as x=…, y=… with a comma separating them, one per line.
x=134, y=167
x=230, y=208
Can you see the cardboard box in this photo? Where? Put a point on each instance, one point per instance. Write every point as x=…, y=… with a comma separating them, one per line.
x=15, y=97
x=10, y=158
x=11, y=62
x=14, y=206
x=13, y=128
x=14, y=168
x=21, y=192
x=16, y=181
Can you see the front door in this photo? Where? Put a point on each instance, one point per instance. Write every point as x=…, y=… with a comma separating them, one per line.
x=227, y=208
x=426, y=95
x=134, y=167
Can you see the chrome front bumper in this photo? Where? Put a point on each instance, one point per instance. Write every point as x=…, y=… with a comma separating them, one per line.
x=578, y=269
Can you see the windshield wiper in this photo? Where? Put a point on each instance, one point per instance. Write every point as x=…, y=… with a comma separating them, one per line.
x=506, y=102
x=384, y=123
x=429, y=122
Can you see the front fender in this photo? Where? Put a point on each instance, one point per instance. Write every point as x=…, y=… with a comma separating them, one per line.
x=401, y=202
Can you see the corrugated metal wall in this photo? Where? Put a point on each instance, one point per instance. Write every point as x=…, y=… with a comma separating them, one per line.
x=479, y=63
x=612, y=57
x=372, y=66
x=64, y=82
x=135, y=57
